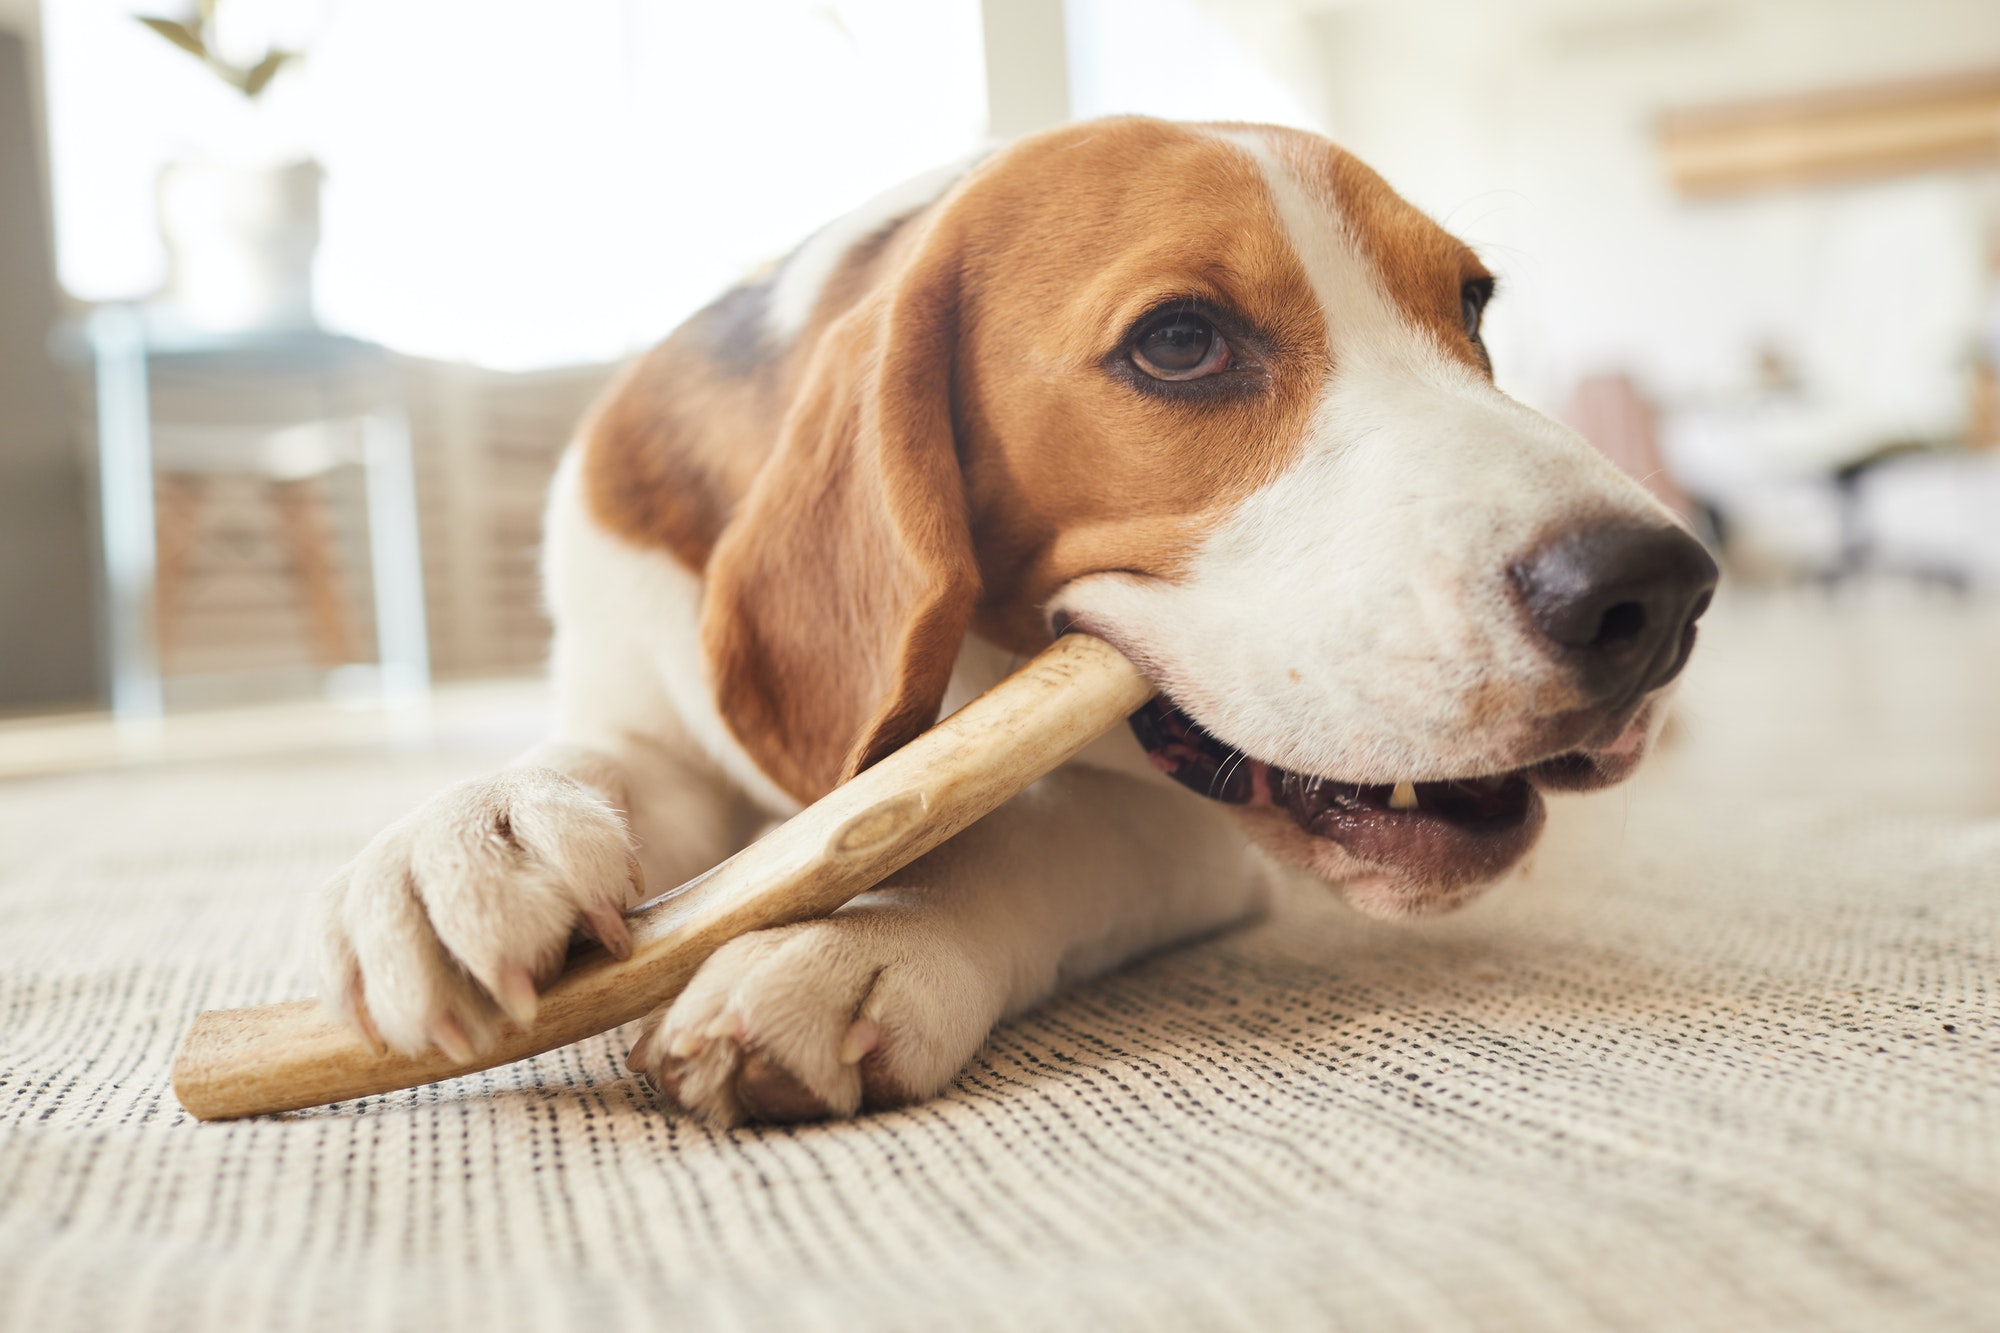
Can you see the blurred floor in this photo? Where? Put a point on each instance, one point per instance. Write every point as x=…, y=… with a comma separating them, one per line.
x=1722, y=1060
x=1882, y=704
x=486, y=719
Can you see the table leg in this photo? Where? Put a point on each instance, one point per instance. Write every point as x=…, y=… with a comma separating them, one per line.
x=125, y=483
x=396, y=564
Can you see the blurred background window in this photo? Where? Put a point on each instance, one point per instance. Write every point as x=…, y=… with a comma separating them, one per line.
x=516, y=185
x=1750, y=248
x=1195, y=60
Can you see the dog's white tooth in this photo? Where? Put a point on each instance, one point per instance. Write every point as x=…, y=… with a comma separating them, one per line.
x=1404, y=797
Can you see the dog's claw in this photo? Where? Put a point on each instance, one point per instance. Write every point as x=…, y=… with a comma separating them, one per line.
x=863, y=1037
x=607, y=925
x=517, y=995
x=640, y=1055
x=450, y=1038
x=357, y=1008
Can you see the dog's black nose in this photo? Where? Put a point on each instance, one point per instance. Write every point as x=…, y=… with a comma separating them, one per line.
x=1619, y=603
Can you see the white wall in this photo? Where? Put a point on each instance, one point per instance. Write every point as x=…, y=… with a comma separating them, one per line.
x=1528, y=128
x=1254, y=60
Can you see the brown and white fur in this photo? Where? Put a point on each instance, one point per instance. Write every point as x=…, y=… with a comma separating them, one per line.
x=854, y=492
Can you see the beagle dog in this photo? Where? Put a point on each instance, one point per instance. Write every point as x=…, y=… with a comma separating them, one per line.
x=1211, y=392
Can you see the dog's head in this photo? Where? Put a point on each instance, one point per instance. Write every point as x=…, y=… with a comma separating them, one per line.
x=1216, y=394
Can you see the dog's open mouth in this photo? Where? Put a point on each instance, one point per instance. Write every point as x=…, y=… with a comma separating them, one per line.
x=1473, y=826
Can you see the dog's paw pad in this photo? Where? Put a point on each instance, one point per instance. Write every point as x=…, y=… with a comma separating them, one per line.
x=817, y=1020
x=768, y=1091
x=445, y=927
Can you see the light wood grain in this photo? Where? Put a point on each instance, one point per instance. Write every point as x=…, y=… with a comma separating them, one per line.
x=283, y=1057
x=1853, y=134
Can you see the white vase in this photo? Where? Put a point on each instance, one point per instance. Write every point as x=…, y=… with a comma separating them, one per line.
x=240, y=243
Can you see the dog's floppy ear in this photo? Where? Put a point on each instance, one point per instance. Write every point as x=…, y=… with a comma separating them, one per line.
x=837, y=597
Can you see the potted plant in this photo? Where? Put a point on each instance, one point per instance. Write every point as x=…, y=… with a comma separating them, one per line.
x=240, y=234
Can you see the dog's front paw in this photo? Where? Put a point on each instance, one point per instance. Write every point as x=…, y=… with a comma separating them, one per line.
x=456, y=915
x=873, y=1007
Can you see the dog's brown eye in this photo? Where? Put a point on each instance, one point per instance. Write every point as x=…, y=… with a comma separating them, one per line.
x=1180, y=346
x=1472, y=299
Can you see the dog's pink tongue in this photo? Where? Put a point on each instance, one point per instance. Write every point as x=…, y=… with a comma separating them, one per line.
x=1261, y=783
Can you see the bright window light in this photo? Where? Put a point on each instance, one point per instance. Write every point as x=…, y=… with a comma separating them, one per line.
x=1192, y=60
x=520, y=185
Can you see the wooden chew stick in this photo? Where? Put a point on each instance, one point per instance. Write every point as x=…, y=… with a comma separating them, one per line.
x=281, y=1057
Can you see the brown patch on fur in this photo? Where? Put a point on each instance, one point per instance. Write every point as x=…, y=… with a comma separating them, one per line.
x=676, y=442
x=671, y=445
x=838, y=595
x=1422, y=266
x=957, y=435
x=1071, y=470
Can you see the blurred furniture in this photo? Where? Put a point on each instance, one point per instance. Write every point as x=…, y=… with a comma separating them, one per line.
x=1848, y=134
x=292, y=464
x=286, y=408
x=485, y=444
x=1803, y=492
x=1925, y=514
x=1614, y=414
x=1862, y=551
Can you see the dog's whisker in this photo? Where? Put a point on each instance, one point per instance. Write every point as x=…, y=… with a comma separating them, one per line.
x=1220, y=782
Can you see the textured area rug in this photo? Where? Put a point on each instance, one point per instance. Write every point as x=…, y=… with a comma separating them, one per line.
x=1727, y=1057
